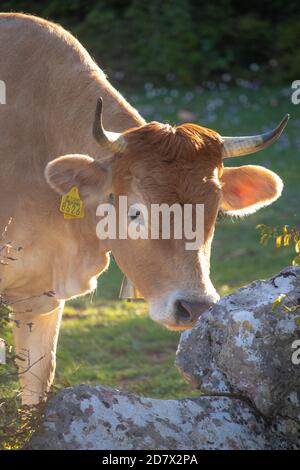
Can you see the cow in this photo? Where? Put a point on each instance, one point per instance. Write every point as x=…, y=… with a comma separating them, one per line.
x=52, y=140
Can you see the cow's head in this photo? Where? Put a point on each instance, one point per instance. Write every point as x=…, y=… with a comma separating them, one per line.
x=157, y=163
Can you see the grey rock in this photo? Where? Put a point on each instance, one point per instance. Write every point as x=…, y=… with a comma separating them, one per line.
x=239, y=355
x=98, y=418
x=242, y=346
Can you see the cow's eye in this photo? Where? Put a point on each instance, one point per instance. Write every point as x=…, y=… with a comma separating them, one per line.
x=135, y=215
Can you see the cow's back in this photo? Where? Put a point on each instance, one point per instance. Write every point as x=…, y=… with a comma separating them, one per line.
x=51, y=89
x=37, y=60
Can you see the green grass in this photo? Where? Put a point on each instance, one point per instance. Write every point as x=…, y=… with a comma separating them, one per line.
x=107, y=341
x=115, y=343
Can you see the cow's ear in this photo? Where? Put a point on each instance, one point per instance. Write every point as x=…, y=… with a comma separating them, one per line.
x=248, y=188
x=91, y=179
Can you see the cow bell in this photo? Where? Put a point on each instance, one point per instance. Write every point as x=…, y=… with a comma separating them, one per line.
x=128, y=291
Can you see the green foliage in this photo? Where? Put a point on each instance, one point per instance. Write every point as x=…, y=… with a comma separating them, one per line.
x=286, y=305
x=278, y=301
x=16, y=423
x=283, y=236
x=182, y=40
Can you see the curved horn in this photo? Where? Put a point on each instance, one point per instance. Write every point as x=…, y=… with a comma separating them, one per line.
x=113, y=141
x=238, y=146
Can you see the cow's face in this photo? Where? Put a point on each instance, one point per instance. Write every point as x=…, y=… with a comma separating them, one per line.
x=171, y=166
x=161, y=164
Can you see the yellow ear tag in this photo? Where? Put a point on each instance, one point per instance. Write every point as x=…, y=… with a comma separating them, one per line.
x=71, y=205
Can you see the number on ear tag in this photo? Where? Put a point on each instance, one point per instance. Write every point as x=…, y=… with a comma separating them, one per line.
x=71, y=205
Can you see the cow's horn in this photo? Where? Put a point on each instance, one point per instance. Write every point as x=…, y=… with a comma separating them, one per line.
x=238, y=146
x=112, y=141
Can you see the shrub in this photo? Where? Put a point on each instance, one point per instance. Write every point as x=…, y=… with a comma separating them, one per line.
x=186, y=40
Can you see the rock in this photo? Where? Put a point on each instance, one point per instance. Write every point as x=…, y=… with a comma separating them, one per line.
x=242, y=346
x=98, y=418
x=239, y=354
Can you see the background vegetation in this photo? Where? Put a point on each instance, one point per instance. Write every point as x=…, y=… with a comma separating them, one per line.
x=228, y=66
x=185, y=41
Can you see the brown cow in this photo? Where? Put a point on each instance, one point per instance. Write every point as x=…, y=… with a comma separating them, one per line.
x=52, y=86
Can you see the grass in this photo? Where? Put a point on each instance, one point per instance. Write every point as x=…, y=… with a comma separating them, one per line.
x=117, y=344
x=107, y=341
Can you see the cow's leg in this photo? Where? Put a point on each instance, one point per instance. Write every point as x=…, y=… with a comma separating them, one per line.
x=35, y=344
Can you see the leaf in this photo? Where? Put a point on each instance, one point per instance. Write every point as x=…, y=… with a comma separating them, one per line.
x=293, y=308
x=297, y=321
x=296, y=260
x=278, y=301
x=264, y=239
x=286, y=239
x=297, y=246
x=278, y=241
x=284, y=230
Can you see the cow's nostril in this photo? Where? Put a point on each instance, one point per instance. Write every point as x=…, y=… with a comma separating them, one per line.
x=189, y=311
x=182, y=314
